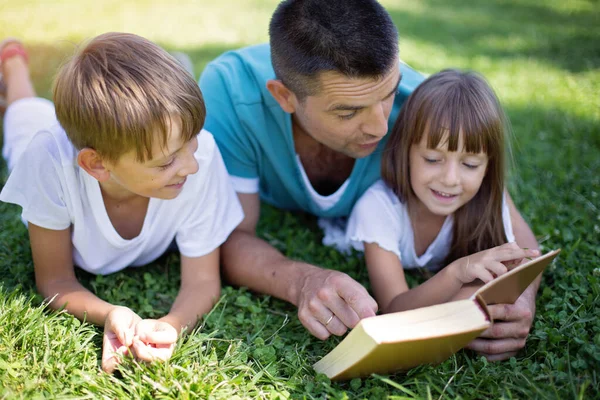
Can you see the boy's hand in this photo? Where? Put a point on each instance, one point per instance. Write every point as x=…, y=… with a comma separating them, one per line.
x=488, y=264
x=154, y=340
x=119, y=330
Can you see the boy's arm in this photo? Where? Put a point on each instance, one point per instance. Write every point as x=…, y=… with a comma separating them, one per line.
x=509, y=334
x=55, y=275
x=199, y=291
x=56, y=281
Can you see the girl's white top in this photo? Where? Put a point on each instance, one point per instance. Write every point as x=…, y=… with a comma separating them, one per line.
x=379, y=217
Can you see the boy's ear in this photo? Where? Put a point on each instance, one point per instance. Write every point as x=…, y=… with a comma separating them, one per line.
x=285, y=97
x=93, y=164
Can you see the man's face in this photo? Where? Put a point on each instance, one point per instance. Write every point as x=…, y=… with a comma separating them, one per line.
x=349, y=115
x=163, y=176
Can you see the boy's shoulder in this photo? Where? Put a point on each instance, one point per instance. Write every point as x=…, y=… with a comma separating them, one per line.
x=53, y=143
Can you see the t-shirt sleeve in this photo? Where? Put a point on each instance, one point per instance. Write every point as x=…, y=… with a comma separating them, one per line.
x=37, y=184
x=215, y=213
x=222, y=120
x=375, y=219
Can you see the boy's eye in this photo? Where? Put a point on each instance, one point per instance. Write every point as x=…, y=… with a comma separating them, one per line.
x=165, y=166
x=347, y=116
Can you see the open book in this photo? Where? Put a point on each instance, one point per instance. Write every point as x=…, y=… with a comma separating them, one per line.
x=428, y=335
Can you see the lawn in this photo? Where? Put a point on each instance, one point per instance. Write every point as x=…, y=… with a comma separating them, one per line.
x=543, y=59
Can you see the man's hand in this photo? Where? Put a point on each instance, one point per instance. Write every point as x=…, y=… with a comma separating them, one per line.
x=154, y=340
x=119, y=331
x=330, y=302
x=510, y=329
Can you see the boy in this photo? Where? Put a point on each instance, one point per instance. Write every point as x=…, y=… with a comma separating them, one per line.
x=124, y=174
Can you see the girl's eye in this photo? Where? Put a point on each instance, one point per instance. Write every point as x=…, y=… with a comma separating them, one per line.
x=470, y=166
x=347, y=116
x=163, y=167
x=430, y=160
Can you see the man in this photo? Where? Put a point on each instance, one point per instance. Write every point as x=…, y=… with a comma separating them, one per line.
x=301, y=124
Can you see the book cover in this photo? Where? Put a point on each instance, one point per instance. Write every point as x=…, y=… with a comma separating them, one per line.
x=427, y=335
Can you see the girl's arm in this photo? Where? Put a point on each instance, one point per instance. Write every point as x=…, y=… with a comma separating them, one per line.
x=444, y=285
x=391, y=290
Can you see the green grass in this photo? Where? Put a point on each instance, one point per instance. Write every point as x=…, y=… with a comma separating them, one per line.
x=543, y=58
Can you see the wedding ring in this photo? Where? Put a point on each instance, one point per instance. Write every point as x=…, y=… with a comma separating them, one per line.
x=329, y=320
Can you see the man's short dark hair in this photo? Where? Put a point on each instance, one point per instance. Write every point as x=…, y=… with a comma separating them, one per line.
x=356, y=38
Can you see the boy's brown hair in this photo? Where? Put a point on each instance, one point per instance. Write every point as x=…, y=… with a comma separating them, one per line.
x=121, y=90
x=446, y=105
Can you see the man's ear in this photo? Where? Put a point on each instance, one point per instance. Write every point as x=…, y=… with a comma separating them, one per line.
x=93, y=164
x=285, y=97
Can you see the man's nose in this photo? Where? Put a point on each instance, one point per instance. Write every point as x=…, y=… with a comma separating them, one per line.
x=377, y=121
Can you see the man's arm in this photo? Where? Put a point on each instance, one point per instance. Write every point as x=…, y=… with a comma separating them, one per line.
x=328, y=301
x=508, y=335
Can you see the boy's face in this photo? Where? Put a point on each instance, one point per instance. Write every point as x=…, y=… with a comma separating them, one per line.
x=162, y=177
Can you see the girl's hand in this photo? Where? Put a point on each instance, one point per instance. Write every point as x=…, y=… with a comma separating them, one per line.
x=491, y=263
x=154, y=340
x=119, y=330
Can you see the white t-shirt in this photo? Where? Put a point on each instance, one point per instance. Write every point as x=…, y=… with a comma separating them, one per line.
x=379, y=217
x=56, y=193
x=251, y=185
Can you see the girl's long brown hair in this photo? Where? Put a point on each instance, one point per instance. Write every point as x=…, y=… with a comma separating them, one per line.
x=446, y=105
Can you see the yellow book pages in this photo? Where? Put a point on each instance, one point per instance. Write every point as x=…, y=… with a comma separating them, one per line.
x=403, y=340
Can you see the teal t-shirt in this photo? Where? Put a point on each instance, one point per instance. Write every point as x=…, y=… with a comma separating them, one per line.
x=255, y=135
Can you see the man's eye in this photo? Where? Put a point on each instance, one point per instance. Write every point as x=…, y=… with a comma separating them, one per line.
x=347, y=116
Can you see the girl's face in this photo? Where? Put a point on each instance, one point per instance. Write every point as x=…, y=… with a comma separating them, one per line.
x=445, y=180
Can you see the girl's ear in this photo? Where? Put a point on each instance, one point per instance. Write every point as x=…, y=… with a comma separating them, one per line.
x=285, y=97
x=92, y=163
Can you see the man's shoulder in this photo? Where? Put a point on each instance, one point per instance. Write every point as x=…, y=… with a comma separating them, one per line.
x=241, y=74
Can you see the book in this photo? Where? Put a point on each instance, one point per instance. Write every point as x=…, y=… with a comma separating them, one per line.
x=428, y=335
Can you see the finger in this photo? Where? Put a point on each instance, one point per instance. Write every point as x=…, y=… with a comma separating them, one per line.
x=483, y=274
x=510, y=312
x=336, y=326
x=511, y=251
x=357, y=298
x=161, y=353
x=316, y=328
x=125, y=336
x=507, y=330
x=343, y=312
x=496, y=268
x=112, y=358
x=491, y=347
x=166, y=336
x=142, y=351
x=144, y=326
x=324, y=309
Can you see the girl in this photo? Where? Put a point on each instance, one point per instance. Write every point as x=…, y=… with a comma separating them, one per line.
x=441, y=197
